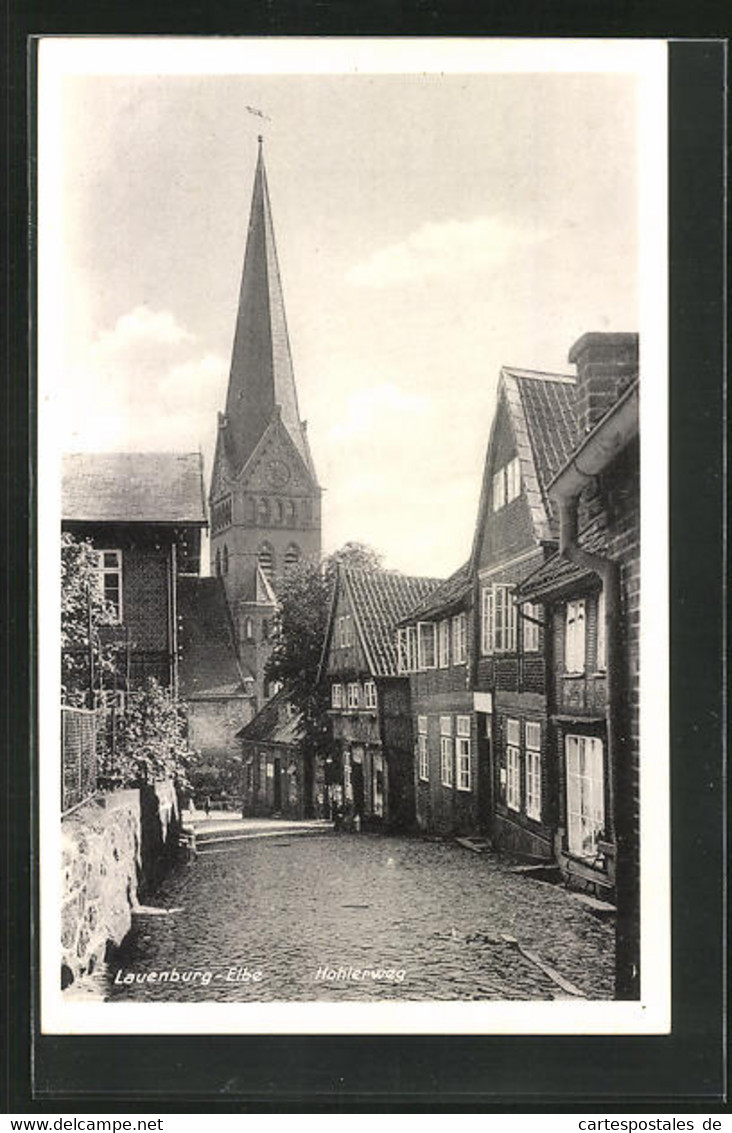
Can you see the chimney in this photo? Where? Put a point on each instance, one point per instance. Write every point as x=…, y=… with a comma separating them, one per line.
x=606, y=365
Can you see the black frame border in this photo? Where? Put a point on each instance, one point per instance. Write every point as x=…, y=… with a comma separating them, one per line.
x=684, y=1071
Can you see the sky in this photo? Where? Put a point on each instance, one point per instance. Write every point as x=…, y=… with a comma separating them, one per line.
x=430, y=228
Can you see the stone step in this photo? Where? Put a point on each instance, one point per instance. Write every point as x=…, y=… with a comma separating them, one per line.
x=477, y=845
x=594, y=904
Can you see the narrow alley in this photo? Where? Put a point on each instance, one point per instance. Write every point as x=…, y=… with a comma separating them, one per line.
x=326, y=916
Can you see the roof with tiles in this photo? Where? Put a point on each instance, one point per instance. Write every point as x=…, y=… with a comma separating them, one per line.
x=557, y=573
x=208, y=663
x=449, y=594
x=274, y=723
x=139, y=487
x=380, y=600
x=542, y=409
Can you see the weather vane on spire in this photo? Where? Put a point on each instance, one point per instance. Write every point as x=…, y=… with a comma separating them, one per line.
x=258, y=113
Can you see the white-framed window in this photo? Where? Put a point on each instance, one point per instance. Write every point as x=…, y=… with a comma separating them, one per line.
x=336, y=696
x=504, y=620
x=533, y=615
x=462, y=752
x=402, y=659
x=426, y=645
x=506, y=483
x=345, y=631
x=513, y=765
x=575, y=637
x=459, y=639
x=443, y=643
x=513, y=479
x=446, y=751
x=601, y=658
x=486, y=620
x=407, y=649
x=498, y=619
x=369, y=694
x=423, y=760
x=533, y=770
x=585, y=794
x=109, y=571
x=353, y=694
x=412, y=648
x=499, y=490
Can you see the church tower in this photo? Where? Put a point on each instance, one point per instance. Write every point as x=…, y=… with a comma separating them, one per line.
x=265, y=498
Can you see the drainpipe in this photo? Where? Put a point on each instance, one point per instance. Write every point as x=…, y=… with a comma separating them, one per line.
x=599, y=448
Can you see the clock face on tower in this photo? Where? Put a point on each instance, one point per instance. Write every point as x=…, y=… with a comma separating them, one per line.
x=278, y=473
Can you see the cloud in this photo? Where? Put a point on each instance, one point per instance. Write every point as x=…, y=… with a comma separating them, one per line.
x=142, y=384
x=141, y=326
x=450, y=249
x=374, y=407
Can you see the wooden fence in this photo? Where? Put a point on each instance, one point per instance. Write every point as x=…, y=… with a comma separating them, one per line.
x=79, y=755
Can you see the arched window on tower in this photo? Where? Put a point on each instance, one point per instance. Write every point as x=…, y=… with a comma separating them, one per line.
x=248, y=629
x=225, y=560
x=250, y=509
x=292, y=557
x=263, y=510
x=307, y=513
x=279, y=512
x=291, y=513
x=218, y=562
x=267, y=560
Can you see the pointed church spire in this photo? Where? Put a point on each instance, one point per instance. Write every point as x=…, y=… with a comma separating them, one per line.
x=261, y=376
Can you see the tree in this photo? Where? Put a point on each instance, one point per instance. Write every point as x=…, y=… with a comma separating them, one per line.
x=151, y=740
x=84, y=609
x=352, y=555
x=299, y=630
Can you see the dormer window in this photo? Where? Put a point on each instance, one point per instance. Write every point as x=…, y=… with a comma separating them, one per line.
x=506, y=484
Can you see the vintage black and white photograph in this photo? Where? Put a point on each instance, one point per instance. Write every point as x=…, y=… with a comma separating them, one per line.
x=352, y=481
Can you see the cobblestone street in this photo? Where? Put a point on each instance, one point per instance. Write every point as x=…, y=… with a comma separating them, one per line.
x=425, y=917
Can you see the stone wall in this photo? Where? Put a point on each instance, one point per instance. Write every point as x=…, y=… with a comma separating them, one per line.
x=114, y=849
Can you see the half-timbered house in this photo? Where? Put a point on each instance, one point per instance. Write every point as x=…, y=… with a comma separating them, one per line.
x=370, y=711
x=590, y=591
